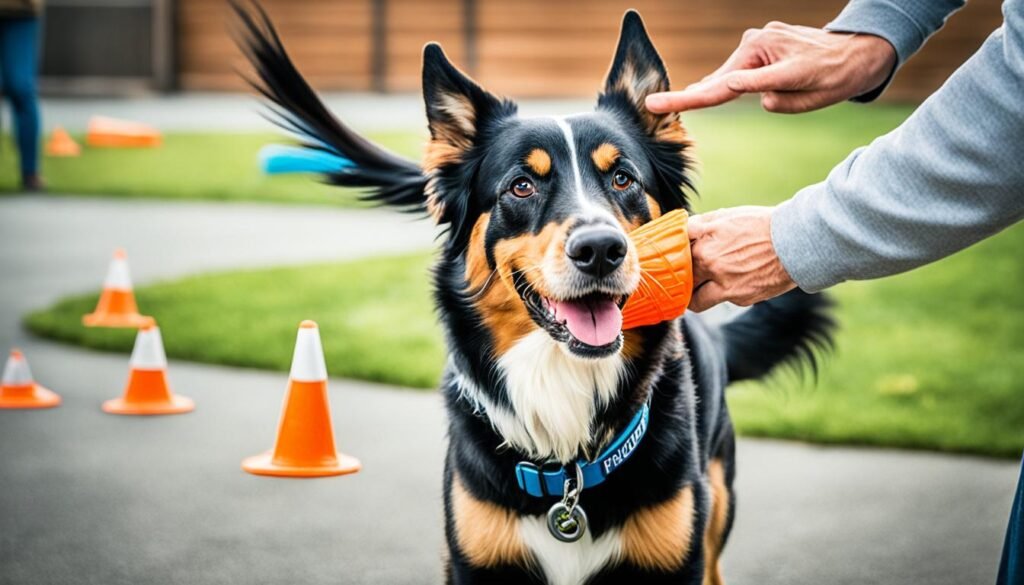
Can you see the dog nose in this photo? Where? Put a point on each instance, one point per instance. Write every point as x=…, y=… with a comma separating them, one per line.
x=596, y=251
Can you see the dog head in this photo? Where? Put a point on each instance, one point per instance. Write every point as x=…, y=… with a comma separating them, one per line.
x=539, y=209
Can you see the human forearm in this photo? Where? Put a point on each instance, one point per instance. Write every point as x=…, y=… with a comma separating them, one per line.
x=906, y=25
x=948, y=177
x=799, y=68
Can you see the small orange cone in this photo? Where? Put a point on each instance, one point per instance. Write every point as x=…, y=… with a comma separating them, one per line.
x=116, y=307
x=305, y=438
x=61, y=144
x=147, y=391
x=113, y=133
x=19, y=390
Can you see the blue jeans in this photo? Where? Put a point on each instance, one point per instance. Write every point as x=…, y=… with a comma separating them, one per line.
x=19, y=64
x=1011, y=568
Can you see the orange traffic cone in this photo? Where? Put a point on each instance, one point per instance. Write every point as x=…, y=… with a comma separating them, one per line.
x=113, y=133
x=305, y=439
x=116, y=307
x=61, y=144
x=147, y=391
x=19, y=390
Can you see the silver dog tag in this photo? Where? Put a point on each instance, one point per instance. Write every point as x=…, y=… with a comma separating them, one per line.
x=567, y=524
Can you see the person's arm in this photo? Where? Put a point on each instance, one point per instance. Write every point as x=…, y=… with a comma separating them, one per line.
x=799, y=68
x=949, y=176
x=905, y=25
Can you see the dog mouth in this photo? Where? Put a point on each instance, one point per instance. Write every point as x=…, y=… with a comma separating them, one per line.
x=589, y=325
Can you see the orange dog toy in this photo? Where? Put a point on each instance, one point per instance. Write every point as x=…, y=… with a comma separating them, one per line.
x=666, y=277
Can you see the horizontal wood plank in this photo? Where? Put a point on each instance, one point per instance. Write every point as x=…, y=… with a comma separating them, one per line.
x=532, y=47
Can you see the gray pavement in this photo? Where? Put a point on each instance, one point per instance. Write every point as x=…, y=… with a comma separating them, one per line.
x=87, y=497
x=209, y=112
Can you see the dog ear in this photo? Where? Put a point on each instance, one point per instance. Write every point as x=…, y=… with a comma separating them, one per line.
x=636, y=72
x=458, y=113
x=457, y=109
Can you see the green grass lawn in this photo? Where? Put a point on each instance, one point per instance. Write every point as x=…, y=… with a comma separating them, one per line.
x=932, y=359
x=374, y=315
x=219, y=167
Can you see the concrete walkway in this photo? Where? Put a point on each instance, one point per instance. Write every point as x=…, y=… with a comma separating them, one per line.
x=217, y=112
x=92, y=498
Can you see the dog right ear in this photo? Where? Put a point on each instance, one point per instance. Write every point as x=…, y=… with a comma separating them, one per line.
x=457, y=109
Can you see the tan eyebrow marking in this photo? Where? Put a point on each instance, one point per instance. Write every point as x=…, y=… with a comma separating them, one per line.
x=539, y=161
x=605, y=156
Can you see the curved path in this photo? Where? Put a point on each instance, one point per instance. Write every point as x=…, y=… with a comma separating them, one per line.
x=91, y=498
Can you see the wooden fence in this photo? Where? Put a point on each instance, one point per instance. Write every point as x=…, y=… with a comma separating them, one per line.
x=525, y=48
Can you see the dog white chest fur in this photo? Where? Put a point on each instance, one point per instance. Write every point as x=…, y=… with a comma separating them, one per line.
x=567, y=563
x=554, y=395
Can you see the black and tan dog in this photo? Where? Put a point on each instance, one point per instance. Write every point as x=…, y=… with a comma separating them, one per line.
x=579, y=453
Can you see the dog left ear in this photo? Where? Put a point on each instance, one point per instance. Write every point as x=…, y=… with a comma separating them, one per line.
x=457, y=108
x=636, y=72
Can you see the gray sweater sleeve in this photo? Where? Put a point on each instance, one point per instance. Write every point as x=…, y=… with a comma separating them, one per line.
x=949, y=176
x=905, y=24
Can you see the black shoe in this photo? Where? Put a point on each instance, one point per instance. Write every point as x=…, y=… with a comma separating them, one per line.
x=33, y=184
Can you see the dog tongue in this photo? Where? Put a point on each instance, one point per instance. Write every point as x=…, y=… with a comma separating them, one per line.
x=594, y=322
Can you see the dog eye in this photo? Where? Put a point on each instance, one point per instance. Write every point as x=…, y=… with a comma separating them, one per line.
x=522, y=187
x=621, y=181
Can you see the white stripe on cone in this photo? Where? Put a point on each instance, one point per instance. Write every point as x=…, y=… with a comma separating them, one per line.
x=118, y=277
x=308, y=361
x=148, y=353
x=16, y=372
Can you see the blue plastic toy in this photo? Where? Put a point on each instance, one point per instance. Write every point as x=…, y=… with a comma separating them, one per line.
x=277, y=159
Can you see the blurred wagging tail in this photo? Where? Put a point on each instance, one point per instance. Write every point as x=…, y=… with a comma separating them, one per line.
x=579, y=452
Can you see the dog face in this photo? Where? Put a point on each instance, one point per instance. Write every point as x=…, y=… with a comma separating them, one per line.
x=540, y=208
x=556, y=226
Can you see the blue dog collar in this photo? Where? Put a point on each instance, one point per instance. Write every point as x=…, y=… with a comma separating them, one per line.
x=548, y=480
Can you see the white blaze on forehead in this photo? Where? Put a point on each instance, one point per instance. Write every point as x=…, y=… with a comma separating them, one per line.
x=308, y=360
x=17, y=372
x=118, y=277
x=590, y=209
x=148, y=353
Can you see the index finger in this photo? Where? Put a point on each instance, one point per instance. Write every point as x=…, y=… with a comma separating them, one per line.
x=710, y=91
x=701, y=95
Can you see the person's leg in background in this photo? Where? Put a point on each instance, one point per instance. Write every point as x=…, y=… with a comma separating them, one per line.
x=1011, y=568
x=19, y=66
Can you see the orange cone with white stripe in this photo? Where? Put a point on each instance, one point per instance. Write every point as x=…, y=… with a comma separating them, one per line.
x=114, y=133
x=19, y=390
x=147, y=391
x=116, y=307
x=305, y=437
